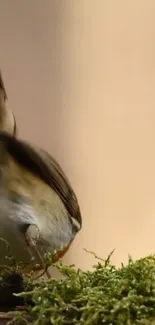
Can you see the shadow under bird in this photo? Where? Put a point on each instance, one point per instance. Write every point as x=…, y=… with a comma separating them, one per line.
x=39, y=211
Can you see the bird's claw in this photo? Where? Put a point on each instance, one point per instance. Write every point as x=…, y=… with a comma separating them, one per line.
x=32, y=235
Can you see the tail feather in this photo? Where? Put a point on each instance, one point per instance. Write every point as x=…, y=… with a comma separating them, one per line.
x=2, y=87
x=7, y=118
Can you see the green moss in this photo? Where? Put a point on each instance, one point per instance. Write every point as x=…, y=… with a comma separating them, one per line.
x=105, y=295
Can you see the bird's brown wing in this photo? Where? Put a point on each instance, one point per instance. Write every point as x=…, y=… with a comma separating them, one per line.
x=44, y=166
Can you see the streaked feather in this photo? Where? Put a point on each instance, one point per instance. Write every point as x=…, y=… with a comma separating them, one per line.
x=40, y=163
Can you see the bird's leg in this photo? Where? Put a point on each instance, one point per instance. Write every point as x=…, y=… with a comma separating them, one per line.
x=31, y=236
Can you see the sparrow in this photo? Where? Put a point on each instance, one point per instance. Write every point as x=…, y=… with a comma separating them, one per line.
x=39, y=210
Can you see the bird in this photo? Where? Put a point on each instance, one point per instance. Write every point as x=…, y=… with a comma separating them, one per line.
x=39, y=210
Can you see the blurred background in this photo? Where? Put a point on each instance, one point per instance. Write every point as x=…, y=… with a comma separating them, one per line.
x=80, y=76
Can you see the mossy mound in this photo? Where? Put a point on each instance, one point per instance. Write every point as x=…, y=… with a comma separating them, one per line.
x=106, y=295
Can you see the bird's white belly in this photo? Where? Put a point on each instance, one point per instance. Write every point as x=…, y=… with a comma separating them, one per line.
x=54, y=232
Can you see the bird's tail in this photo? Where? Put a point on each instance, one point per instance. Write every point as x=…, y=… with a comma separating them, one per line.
x=7, y=119
x=2, y=87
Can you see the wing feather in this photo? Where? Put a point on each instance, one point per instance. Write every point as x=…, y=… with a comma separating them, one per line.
x=44, y=166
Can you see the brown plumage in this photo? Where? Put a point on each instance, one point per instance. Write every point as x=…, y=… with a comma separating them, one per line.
x=39, y=211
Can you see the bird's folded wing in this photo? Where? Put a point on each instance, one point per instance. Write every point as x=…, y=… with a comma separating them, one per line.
x=44, y=166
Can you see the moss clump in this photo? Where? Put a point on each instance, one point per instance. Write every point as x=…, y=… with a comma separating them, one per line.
x=105, y=295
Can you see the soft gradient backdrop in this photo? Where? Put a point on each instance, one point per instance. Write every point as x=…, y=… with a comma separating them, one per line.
x=80, y=76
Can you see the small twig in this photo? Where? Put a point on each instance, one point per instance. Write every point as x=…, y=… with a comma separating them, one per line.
x=97, y=257
x=106, y=262
x=109, y=257
x=44, y=272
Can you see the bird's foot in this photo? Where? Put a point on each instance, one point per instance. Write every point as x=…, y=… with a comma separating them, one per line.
x=31, y=236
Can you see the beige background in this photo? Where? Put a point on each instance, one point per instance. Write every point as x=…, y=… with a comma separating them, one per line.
x=80, y=76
